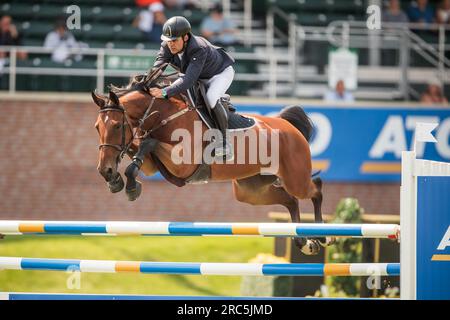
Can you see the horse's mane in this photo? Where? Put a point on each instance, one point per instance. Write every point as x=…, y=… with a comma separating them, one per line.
x=136, y=83
x=143, y=82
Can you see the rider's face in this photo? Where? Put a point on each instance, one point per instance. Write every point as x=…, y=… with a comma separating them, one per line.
x=176, y=45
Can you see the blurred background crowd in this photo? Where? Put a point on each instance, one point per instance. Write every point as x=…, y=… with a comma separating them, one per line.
x=131, y=25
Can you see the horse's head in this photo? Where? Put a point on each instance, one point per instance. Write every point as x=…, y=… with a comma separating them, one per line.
x=115, y=138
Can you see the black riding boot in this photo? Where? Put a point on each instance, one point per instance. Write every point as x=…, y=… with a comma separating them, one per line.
x=225, y=151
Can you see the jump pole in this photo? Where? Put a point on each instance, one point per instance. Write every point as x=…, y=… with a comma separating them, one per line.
x=223, y=269
x=117, y=228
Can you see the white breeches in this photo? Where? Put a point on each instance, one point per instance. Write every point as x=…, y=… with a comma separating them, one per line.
x=218, y=85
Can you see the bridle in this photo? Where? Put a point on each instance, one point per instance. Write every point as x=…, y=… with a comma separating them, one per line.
x=123, y=147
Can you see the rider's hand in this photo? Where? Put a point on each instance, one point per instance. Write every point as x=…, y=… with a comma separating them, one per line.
x=156, y=92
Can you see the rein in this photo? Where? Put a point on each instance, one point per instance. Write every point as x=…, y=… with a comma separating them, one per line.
x=163, y=122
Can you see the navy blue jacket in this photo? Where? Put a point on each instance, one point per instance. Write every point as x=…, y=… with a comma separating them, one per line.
x=200, y=60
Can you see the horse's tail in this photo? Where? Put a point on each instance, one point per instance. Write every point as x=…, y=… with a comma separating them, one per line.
x=298, y=118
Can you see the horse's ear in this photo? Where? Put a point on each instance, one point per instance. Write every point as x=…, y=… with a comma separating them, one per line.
x=114, y=99
x=99, y=100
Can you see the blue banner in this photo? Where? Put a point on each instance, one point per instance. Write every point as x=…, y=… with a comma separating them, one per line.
x=364, y=144
x=433, y=238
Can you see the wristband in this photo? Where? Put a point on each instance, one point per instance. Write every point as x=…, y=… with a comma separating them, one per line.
x=164, y=93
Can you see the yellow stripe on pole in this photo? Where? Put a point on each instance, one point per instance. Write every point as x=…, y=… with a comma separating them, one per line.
x=245, y=229
x=338, y=269
x=128, y=266
x=31, y=227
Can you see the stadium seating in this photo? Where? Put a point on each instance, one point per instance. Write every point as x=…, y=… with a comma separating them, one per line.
x=104, y=24
x=108, y=24
x=321, y=12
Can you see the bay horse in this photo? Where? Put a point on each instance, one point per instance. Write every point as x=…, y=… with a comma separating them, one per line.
x=121, y=114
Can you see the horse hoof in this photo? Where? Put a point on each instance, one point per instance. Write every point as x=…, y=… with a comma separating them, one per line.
x=134, y=193
x=311, y=248
x=117, y=184
x=326, y=241
x=329, y=241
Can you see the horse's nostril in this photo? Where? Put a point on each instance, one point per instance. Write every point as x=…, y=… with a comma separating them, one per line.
x=106, y=172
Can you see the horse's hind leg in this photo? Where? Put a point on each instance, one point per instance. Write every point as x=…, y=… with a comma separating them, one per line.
x=302, y=187
x=316, y=198
x=259, y=190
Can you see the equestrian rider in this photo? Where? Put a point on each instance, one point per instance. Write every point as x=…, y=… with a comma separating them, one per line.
x=197, y=59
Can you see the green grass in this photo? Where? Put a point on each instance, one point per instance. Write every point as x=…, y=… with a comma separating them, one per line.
x=167, y=249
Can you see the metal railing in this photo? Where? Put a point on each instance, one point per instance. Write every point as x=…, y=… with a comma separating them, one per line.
x=101, y=71
x=397, y=36
x=272, y=31
x=355, y=34
x=339, y=33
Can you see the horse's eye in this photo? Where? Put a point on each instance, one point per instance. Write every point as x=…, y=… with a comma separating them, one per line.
x=117, y=126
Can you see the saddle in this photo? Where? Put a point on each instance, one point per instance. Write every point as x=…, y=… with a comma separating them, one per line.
x=236, y=121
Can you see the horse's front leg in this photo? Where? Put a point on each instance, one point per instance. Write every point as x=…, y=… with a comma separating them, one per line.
x=133, y=187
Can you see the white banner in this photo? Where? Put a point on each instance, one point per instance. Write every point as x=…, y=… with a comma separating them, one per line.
x=343, y=65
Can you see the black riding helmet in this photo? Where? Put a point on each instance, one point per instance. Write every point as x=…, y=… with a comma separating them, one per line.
x=175, y=27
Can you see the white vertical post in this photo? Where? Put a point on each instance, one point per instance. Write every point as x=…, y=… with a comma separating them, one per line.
x=405, y=47
x=375, y=40
x=441, y=53
x=226, y=6
x=273, y=76
x=204, y=4
x=293, y=52
x=101, y=71
x=248, y=21
x=408, y=223
x=270, y=25
x=346, y=35
x=270, y=50
x=12, y=70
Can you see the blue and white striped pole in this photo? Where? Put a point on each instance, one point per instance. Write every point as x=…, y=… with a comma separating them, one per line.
x=225, y=269
x=199, y=229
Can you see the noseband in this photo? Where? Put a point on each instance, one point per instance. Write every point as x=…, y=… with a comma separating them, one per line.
x=123, y=147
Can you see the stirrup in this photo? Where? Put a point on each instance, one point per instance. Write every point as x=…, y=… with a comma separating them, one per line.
x=224, y=152
x=226, y=103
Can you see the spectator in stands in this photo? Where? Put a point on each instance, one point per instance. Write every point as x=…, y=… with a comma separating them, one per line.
x=218, y=29
x=181, y=4
x=420, y=11
x=151, y=20
x=61, y=41
x=433, y=94
x=443, y=12
x=340, y=94
x=394, y=13
x=9, y=36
